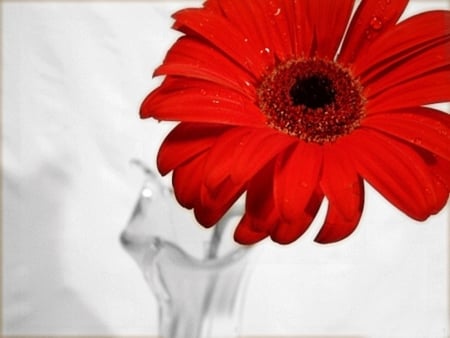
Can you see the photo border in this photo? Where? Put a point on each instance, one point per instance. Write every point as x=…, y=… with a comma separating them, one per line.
x=137, y=336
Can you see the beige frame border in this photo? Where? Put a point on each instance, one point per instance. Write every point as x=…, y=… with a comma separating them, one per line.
x=1, y=206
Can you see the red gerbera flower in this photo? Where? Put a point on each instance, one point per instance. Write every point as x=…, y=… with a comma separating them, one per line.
x=283, y=101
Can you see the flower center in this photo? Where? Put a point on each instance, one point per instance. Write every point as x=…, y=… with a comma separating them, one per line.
x=314, y=99
x=314, y=92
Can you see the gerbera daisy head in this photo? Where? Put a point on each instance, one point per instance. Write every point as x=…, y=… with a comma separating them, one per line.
x=292, y=102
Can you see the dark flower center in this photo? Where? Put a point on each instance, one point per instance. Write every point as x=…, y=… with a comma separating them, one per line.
x=314, y=92
x=313, y=99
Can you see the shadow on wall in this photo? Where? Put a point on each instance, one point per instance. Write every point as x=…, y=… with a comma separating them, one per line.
x=35, y=297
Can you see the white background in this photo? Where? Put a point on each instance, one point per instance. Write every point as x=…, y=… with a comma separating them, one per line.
x=74, y=75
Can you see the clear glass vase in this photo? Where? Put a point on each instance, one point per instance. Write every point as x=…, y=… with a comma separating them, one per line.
x=197, y=275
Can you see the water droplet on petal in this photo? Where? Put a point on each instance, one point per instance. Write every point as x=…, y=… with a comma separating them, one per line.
x=368, y=34
x=202, y=92
x=417, y=141
x=443, y=132
x=215, y=101
x=376, y=23
x=278, y=11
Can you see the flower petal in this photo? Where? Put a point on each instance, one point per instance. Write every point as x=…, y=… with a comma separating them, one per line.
x=409, y=35
x=394, y=169
x=250, y=18
x=422, y=90
x=245, y=234
x=241, y=153
x=430, y=57
x=440, y=169
x=187, y=180
x=196, y=59
x=213, y=205
x=185, y=141
x=344, y=189
x=220, y=33
x=301, y=30
x=220, y=157
x=192, y=100
x=336, y=227
x=285, y=233
x=257, y=149
x=296, y=177
x=341, y=184
x=329, y=19
x=372, y=18
x=416, y=125
x=431, y=60
x=259, y=204
x=278, y=26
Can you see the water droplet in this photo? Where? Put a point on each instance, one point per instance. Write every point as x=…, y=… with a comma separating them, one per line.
x=202, y=92
x=369, y=34
x=265, y=50
x=376, y=23
x=245, y=39
x=277, y=12
x=215, y=101
x=248, y=84
x=417, y=141
x=443, y=131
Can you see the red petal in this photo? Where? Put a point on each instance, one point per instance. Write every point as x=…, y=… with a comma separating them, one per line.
x=372, y=18
x=241, y=153
x=223, y=35
x=185, y=141
x=276, y=20
x=329, y=19
x=440, y=169
x=187, y=180
x=417, y=125
x=213, y=5
x=221, y=155
x=422, y=90
x=410, y=35
x=336, y=227
x=192, y=100
x=296, y=176
x=190, y=192
x=394, y=169
x=255, y=150
x=340, y=182
x=285, y=233
x=196, y=59
x=249, y=18
x=344, y=190
x=424, y=62
x=245, y=234
x=302, y=33
x=259, y=203
x=213, y=206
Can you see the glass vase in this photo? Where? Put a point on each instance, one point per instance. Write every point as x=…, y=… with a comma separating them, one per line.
x=197, y=275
